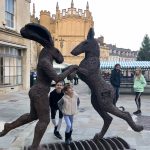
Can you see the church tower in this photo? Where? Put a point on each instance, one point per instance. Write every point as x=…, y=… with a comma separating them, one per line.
x=68, y=28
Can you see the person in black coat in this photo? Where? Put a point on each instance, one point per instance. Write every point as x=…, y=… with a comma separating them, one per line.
x=54, y=97
x=115, y=80
x=75, y=79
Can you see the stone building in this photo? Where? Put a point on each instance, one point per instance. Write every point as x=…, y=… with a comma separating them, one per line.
x=104, y=49
x=121, y=54
x=35, y=47
x=14, y=50
x=109, y=52
x=68, y=28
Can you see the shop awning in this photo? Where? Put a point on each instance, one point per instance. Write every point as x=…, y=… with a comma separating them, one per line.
x=125, y=64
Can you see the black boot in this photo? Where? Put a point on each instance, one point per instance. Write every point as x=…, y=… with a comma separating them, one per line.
x=58, y=135
x=70, y=133
x=138, y=112
x=67, y=138
x=55, y=129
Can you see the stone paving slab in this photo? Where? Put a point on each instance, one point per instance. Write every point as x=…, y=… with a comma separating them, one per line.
x=86, y=123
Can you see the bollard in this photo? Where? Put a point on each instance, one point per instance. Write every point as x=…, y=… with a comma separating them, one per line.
x=114, y=143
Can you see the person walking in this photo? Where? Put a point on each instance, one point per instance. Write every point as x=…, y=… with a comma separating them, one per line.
x=76, y=79
x=68, y=105
x=115, y=80
x=54, y=97
x=139, y=84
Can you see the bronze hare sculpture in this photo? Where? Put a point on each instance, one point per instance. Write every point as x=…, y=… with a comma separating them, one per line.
x=39, y=104
x=102, y=93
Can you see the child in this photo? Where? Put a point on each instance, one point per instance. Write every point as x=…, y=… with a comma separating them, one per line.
x=139, y=84
x=55, y=96
x=68, y=105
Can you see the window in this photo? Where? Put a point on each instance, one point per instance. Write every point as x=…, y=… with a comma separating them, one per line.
x=74, y=11
x=69, y=11
x=63, y=12
x=9, y=13
x=80, y=12
x=10, y=66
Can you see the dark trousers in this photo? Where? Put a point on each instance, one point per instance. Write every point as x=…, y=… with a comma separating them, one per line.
x=75, y=81
x=138, y=100
x=116, y=95
x=53, y=113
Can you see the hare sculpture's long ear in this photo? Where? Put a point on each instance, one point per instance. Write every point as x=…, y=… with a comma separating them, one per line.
x=90, y=34
x=37, y=33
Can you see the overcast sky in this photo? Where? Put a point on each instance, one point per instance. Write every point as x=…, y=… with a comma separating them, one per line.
x=121, y=22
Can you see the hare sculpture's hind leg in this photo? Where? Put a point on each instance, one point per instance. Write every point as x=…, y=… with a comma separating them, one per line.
x=125, y=116
x=106, y=117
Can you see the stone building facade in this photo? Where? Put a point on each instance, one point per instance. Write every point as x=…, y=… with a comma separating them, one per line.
x=109, y=52
x=68, y=28
x=35, y=47
x=121, y=54
x=14, y=50
x=104, y=49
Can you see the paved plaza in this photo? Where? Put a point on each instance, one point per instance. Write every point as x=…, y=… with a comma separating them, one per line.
x=86, y=123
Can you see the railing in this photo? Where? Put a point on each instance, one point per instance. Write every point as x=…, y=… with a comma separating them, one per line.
x=126, y=86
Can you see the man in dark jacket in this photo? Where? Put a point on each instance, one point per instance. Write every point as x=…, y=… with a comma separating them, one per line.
x=54, y=97
x=115, y=80
x=75, y=79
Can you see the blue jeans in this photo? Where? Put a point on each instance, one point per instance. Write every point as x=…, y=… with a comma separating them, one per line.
x=116, y=95
x=69, y=122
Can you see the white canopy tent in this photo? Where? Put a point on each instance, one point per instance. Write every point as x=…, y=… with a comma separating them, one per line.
x=125, y=64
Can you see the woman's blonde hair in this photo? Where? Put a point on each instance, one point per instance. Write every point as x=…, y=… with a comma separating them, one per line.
x=140, y=72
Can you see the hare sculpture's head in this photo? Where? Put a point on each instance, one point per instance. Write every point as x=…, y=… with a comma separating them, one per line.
x=89, y=46
x=41, y=35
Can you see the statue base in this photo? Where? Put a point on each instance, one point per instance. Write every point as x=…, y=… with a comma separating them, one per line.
x=113, y=143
